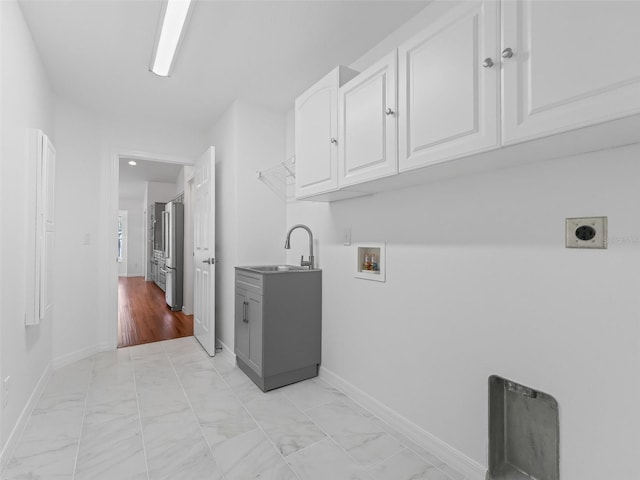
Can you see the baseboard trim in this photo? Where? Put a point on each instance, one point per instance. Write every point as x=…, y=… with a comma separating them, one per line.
x=226, y=351
x=471, y=469
x=16, y=433
x=81, y=354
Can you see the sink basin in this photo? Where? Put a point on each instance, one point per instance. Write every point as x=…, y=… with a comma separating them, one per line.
x=277, y=268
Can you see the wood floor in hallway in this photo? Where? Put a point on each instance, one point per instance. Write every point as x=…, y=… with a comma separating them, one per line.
x=143, y=315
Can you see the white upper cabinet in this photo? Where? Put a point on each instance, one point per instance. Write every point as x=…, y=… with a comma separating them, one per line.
x=367, y=139
x=487, y=75
x=449, y=87
x=316, y=135
x=567, y=65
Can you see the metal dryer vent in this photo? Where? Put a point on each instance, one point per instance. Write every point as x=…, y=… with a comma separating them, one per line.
x=524, y=433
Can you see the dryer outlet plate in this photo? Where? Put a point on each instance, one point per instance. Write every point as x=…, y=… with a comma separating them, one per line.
x=586, y=232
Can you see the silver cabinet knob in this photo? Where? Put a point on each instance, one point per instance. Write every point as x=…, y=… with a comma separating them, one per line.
x=333, y=140
x=507, y=53
x=488, y=63
x=389, y=111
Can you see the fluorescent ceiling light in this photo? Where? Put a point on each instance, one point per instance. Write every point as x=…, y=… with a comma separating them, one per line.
x=132, y=162
x=175, y=16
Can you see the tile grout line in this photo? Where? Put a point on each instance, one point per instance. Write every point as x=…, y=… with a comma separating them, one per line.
x=84, y=415
x=135, y=390
x=417, y=452
x=358, y=463
x=330, y=437
x=204, y=437
x=254, y=419
x=405, y=444
x=305, y=414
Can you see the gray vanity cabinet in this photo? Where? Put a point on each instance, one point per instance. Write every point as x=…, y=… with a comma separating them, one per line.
x=278, y=325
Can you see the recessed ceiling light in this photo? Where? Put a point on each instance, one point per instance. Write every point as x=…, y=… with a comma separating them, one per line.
x=173, y=20
x=132, y=162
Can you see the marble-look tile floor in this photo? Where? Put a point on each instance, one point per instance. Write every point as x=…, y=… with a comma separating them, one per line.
x=167, y=411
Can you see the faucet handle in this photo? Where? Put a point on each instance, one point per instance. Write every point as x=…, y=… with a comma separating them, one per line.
x=306, y=263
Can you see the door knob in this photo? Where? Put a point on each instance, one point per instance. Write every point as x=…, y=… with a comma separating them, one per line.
x=507, y=53
x=210, y=261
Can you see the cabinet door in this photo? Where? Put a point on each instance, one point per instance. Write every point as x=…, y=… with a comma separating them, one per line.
x=241, y=326
x=368, y=147
x=572, y=64
x=316, y=134
x=48, y=227
x=448, y=101
x=254, y=314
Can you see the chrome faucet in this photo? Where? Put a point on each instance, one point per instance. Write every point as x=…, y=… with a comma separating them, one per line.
x=287, y=245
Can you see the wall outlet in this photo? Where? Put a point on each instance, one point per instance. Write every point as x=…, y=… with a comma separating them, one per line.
x=5, y=391
x=586, y=232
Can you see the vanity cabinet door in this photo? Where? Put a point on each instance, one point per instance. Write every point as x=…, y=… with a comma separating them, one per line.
x=241, y=326
x=254, y=319
x=248, y=328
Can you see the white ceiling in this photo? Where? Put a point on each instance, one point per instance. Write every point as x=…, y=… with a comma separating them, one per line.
x=97, y=52
x=133, y=178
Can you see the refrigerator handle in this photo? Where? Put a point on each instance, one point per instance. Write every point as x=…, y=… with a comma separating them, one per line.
x=165, y=234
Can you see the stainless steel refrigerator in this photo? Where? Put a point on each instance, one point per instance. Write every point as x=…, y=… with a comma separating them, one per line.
x=173, y=231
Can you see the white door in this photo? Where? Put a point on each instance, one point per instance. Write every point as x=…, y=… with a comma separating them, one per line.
x=367, y=124
x=204, y=235
x=567, y=65
x=449, y=84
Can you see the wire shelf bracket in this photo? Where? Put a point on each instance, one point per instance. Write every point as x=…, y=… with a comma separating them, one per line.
x=280, y=178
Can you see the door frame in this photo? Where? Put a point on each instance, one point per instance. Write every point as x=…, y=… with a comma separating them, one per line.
x=124, y=214
x=112, y=227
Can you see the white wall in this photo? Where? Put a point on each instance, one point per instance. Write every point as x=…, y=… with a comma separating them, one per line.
x=250, y=218
x=26, y=103
x=479, y=283
x=224, y=137
x=86, y=147
x=135, y=235
x=77, y=262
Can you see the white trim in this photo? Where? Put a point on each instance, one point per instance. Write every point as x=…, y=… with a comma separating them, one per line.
x=225, y=349
x=78, y=355
x=471, y=469
x=18, y=429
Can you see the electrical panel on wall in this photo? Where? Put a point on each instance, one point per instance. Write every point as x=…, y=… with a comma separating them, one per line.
x=40, y=235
